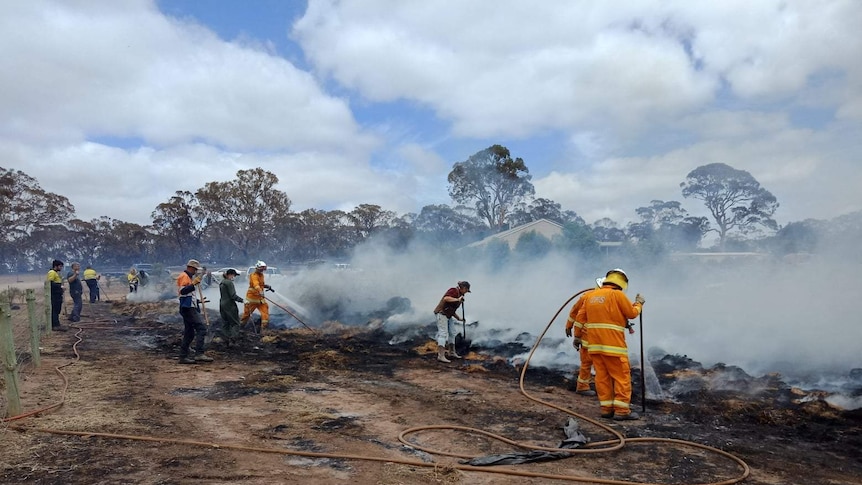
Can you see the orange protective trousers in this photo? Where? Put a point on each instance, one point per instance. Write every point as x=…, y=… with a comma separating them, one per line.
x=613, y=383
x=262, y=307
x=585, y=374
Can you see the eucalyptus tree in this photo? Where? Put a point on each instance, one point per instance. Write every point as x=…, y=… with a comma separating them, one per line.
x=25, y=207
x=733, y=197
x=246, y=209
x=493, y=182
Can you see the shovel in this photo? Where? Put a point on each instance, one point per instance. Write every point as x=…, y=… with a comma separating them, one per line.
x=209, y=335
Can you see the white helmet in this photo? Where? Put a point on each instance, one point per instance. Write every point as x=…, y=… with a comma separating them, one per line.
x=259, y=265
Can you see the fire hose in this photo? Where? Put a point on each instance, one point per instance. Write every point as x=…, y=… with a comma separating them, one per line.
x=293, y=315
x=596, y=447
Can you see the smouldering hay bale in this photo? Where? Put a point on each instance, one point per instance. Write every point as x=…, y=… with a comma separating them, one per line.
x=327, y=359
x=429, y=347
x=474, y=356
x=475, y=368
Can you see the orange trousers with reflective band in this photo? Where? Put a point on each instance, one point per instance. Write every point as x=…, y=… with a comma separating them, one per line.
x=586, y=372
x=613, y=383
x=262, y=307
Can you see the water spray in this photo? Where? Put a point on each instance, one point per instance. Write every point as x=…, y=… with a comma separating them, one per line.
x=293, y=315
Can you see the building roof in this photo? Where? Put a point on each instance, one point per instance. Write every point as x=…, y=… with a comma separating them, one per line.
x=546, y=228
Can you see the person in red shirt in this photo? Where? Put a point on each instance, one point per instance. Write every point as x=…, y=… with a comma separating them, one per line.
x=445, y=312
x=605, y=313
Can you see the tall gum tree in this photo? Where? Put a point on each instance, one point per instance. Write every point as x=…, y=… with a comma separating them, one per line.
x=733, y=197
x=246, y=209
x=26, y=208
x=493, y=181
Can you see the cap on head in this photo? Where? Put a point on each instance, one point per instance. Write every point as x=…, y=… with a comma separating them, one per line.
x=230, y=271
x=56, y=262
x=193, y=263
x=259, y=265
x=465, y=285
x=617, y=277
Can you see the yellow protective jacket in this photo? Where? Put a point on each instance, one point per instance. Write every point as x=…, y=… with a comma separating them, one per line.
x=606, y=311
x=90, y=274
x=255, y=288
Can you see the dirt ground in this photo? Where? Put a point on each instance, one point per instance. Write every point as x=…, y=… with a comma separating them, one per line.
x=347, y=392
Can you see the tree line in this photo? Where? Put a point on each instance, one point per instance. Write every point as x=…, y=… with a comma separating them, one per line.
x=247, y=218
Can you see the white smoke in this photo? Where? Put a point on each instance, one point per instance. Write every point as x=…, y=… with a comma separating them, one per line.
x=796, y=319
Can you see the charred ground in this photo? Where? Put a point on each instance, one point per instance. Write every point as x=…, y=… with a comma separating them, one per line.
x=346, y=389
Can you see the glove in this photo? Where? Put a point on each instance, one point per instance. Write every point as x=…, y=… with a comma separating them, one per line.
x=196, y=281
x=577, y=343
x=246, y=302
x=639, y=299
x=269, y=288
x=568, y=332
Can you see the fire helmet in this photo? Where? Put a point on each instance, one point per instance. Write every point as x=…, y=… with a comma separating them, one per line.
x=617, y=277
x=260, y=265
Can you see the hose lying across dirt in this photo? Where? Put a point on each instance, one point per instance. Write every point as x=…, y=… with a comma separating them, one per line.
x=619, y=442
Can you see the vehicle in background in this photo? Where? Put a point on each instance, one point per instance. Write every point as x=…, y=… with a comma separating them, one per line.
x=219, y=274
x=270, y=271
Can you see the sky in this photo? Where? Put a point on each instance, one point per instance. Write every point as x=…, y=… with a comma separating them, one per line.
x=117, y=105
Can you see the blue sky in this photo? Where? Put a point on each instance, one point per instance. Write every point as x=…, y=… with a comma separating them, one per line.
x=610, y=104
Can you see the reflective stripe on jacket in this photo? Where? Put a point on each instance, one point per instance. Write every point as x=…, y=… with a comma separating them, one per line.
x=187, y=300
x=606, y=313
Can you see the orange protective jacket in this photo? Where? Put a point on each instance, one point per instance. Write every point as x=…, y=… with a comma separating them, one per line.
x=606, y=312
x=576, y=319
x=255, y=288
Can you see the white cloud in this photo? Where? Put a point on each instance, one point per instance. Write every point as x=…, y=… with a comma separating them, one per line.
x=74, y=71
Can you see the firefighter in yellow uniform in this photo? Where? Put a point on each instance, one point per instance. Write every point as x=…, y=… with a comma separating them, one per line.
x=606, y=312
x=580, y=343
x=254, y=297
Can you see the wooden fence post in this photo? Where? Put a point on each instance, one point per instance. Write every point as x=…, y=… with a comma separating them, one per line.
x=48, y=327
x=35, y=333
x=10, y=362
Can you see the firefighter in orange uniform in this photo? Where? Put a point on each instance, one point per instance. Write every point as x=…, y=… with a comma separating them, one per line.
x=580, y=343
x=606, y=312
x=254, y=297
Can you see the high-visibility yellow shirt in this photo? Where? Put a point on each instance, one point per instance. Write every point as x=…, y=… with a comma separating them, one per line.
x=89, y=274
x=54, y=277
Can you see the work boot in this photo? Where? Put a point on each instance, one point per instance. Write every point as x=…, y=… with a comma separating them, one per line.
x=453, y=353
x=627, y=417
x=186, y=360
x=586, y=392
x=59, y=329
x=202, y=357
x=441, y=355
x=609, y=415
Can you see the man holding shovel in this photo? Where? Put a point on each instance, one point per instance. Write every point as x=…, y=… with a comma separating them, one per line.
x=194, y=328
x=445, y=312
